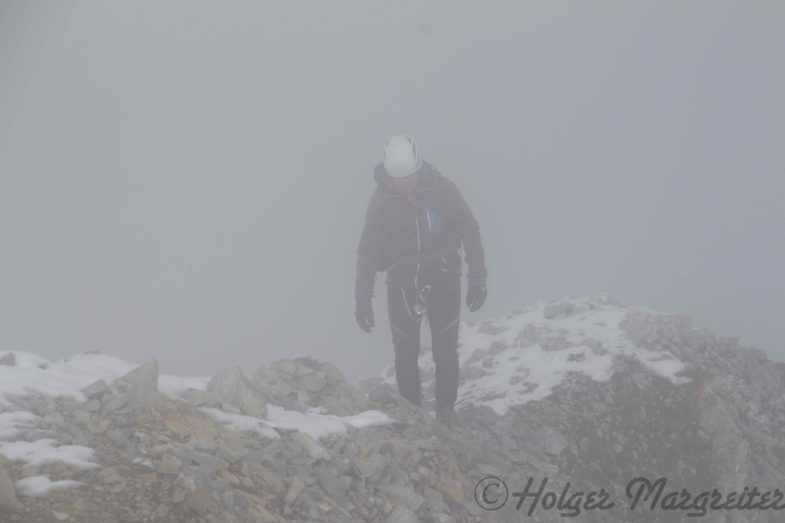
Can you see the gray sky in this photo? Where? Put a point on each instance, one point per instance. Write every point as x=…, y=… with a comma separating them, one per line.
x=187, y=180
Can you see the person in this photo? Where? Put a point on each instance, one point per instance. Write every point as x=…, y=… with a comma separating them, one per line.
x=416, y=224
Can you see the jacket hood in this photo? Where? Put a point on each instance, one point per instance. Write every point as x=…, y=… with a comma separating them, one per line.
x=387, y=183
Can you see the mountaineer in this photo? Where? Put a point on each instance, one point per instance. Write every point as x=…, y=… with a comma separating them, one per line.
x=416, y=224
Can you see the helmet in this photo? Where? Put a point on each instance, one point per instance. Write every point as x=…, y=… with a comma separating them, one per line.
x=400, y=156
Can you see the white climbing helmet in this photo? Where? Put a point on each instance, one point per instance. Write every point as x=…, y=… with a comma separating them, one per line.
x=400, y=156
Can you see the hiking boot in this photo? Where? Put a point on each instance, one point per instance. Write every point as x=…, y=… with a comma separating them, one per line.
x=445, y=415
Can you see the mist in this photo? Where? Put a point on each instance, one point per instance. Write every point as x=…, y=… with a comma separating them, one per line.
x=187, y=181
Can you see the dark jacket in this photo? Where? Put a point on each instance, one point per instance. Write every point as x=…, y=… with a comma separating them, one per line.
x=418, y=237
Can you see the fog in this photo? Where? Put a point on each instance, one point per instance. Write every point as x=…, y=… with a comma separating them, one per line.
x=187, y=180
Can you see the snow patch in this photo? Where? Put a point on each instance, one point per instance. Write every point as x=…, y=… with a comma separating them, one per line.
x=68, y=376
x=528, y=353
x=241, y=422
x=313, y=423
x=43, y=451
x=36, y=486
x=13, y=422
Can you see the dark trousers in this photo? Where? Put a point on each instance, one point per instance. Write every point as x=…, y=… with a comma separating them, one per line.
x=443, y=311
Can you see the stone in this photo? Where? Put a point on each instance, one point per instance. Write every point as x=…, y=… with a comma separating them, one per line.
x=95, y=390
x=293, y=490
x=552, y=310
x=264, y=478
x=231, y=450
x=330, y=483
x=284, y=367
x=440, y=517
x=162, y=511
x=260, y=514
x=114, y=403
x=232, y=386
x=7, y=494
x=169, y=465
x=332, y=373
x=553, y=442
x=311, y=446
x=406, y=496
x=199, y=398
x=313, y=382
x=199, y=499
x=401, y=514
x=451, y=488
x=434, y=502
x=140, y=385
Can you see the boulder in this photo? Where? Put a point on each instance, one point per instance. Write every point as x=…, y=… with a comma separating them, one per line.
x=233, y=387
x=7, y=495
x=140, y=385
x=95, y=390
x=553, y=442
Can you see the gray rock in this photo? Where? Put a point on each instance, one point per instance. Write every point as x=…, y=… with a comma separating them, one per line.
x=141, y=385
x=285, y=368
x=95, y=390
x=199, y=499
x=113, y=403
x=313, y=382
x=232, y=386
x=434, y=501
x=329, y=481
x=371, y=468
x=8, y=359
x=311, y=446
x=401, y=514
x=367, y=385
x=553, y=310
x=293, y=490
x=440, y=517
x=206, y=462
x=7, y=495
x=332, y=373
x=232, y=450
x=406, y=496
x=200, y=398
x=169, y=465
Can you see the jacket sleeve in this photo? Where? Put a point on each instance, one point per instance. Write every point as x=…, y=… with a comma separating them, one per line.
x=370, y=248
x=469, y=232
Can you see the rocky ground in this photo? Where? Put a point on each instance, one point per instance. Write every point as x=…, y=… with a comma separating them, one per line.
x=127, y=452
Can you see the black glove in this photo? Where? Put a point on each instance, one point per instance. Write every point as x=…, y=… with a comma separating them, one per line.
x=475, y=296
x=363, y=312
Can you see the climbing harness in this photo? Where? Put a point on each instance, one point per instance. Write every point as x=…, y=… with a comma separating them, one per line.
x=421, y=302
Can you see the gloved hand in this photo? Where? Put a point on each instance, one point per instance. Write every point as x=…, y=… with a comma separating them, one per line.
x=363, y=312
x=475, y=296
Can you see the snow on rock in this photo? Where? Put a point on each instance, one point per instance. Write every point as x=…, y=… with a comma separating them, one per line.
x=319, y=425
x=232, y=386
x=526, y=355
x=69, y=376
x=36, y=486
x=241, y=422
x=106, y=424
x=313, y=423
x=43, y=451
x=15, y=421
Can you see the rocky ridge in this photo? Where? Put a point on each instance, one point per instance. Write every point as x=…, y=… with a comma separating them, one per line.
x=296, y=442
